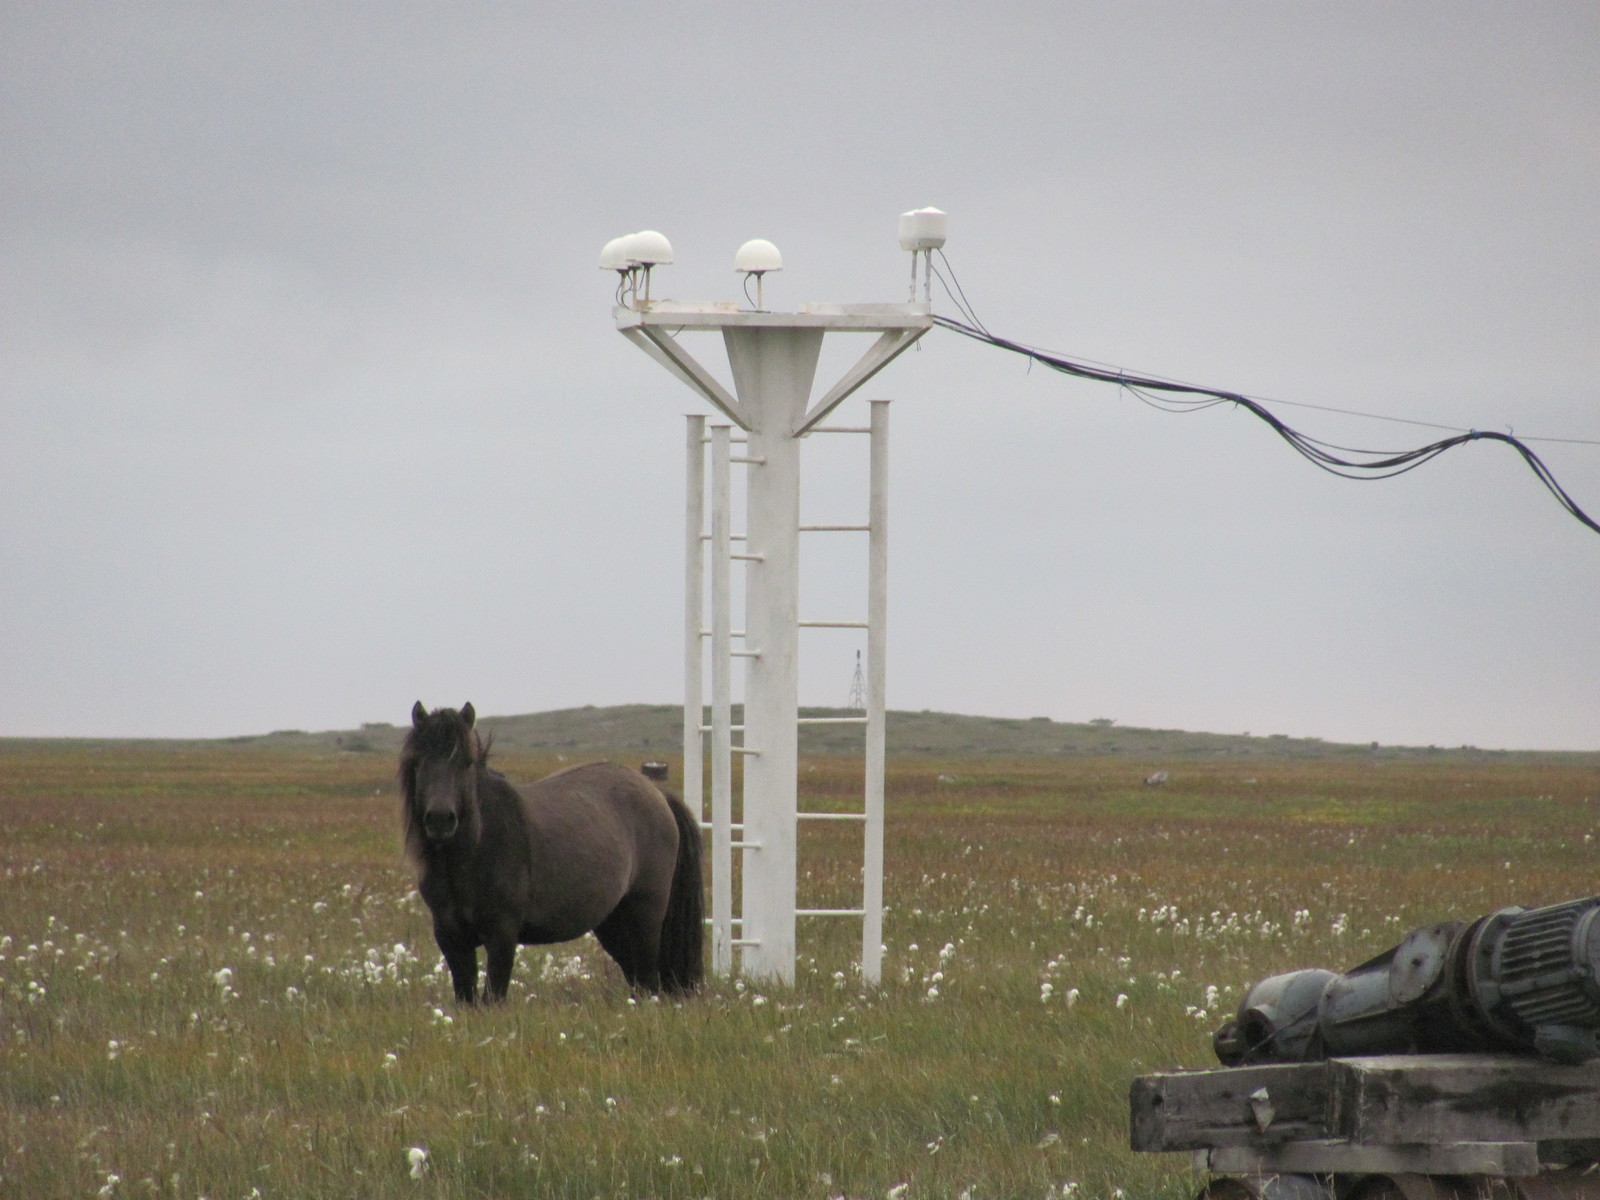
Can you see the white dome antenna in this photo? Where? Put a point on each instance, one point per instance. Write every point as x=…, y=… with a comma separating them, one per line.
x=922, y=231
x=631, y=257
x=613, y=256
x=649, y=248
x=756, y=257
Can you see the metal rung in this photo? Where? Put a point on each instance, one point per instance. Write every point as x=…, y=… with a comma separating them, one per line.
x=744, y=750
x=836, y=529
x=738, y=825
x=748, y=557
x=747, y=941
x=832, y=624
x=731, y=920
x=830, y=912
x=738, y=633
x=830, y=721
x=754, y=462
x=731, y=729
x=744, y=653
x=831, y=816
x=744, y=845
x=841, y=429
x=732, y=537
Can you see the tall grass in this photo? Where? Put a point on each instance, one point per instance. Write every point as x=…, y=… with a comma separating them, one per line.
x=216, y=980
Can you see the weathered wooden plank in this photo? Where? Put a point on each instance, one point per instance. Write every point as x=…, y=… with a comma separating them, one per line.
x=1444, y=1098
x=1191, y=1110
x=1328, y=1155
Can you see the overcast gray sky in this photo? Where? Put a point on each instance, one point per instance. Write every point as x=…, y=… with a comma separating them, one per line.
x=313, y=404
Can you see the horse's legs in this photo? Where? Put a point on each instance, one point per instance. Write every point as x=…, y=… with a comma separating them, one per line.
x=630, y=937
x=461, y=956
x=501, y=953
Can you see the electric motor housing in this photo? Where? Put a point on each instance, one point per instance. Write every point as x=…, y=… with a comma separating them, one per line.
x=1535, y=976
x=1517, y=980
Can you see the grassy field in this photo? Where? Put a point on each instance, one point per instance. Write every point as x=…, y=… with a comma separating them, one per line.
x=216, y=980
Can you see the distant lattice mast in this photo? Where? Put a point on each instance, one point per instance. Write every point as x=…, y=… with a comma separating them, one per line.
x=858, y=689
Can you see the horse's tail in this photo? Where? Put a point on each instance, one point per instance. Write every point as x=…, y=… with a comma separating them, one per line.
x=683, y=929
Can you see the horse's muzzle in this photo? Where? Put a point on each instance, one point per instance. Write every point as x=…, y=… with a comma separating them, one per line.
x=440, y=826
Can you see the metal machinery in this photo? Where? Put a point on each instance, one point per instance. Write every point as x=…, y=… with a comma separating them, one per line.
x=1463, y=1064
x=1515, y=981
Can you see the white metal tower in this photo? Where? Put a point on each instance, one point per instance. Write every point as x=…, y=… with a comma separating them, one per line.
x=773, y=360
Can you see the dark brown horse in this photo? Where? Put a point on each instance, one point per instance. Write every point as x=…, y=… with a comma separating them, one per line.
x=596, y=847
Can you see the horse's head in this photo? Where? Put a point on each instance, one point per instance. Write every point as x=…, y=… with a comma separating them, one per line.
x=439, y=775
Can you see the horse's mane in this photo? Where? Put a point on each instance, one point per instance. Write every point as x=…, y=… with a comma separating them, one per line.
x=444, y=733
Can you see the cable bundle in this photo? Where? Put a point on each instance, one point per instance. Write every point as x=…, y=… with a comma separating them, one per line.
x=1186, y=397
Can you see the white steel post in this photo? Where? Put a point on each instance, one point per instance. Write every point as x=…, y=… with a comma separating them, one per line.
x=877, y=694
x=721, y=706
x=773, y=370
x=693, y=617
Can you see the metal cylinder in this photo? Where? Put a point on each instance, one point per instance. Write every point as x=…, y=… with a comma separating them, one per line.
x=1276, y=1021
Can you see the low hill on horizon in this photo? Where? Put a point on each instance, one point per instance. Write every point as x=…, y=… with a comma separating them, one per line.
x=647, y=730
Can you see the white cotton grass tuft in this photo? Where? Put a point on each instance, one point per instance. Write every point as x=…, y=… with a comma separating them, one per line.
x=418, y=1158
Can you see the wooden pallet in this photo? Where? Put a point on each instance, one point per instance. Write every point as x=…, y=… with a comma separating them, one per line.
x=1433, y=1114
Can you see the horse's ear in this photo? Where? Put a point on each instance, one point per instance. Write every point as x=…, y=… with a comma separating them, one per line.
x=418, y=715
x=469, y=714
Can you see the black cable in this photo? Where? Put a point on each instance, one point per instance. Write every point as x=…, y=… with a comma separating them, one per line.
x=958, y=297
x=1188, y=397
x=962, y=303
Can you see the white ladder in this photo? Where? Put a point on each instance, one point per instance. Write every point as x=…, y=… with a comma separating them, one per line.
x=759, y=903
